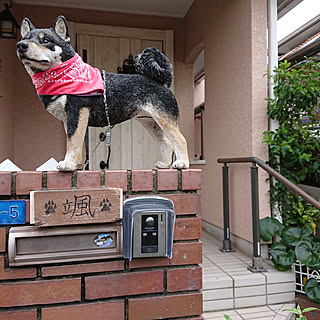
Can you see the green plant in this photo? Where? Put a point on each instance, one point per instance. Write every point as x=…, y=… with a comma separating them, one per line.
x=295, y=146
x=300, y=312
x=294, y=243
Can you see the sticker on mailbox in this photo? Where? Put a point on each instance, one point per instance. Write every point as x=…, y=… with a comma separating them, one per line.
x=12, y=212
x=103, y=240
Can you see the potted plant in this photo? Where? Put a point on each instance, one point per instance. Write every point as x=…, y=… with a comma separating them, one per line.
x=294, y=244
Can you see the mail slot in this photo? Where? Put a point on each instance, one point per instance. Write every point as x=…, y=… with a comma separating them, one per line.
x=31, y=246
x=148, y=227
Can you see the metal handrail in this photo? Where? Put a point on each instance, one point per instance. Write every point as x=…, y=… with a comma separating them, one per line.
x=275, y=174
x=257, y=260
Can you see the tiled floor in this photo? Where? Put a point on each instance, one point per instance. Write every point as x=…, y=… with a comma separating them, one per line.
x=271, y=312
x=230, y=288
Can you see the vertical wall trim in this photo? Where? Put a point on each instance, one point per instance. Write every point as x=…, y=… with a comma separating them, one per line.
x=272, y=52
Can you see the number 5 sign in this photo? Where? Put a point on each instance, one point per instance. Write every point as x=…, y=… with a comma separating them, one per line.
x=12, y=212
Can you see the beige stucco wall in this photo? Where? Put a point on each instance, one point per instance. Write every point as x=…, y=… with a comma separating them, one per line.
x=233, y=34
x=6, y=100
x=38, y=135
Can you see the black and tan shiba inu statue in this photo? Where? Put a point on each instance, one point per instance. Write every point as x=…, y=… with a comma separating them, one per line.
x=80, y=95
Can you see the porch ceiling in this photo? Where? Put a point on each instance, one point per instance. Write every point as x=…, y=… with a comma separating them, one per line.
x=176, y=8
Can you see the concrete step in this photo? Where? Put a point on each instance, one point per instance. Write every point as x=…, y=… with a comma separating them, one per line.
x=229, y=285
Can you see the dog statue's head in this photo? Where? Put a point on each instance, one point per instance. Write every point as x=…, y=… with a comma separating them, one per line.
x=41, y=49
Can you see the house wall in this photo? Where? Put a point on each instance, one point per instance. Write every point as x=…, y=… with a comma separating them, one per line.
x=233, y=34
x=6, y=100
x=42, y=129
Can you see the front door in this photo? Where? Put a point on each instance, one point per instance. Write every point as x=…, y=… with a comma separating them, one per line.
x=131, y=145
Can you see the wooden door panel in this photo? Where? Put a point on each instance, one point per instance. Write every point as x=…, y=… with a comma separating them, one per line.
x=132, y=146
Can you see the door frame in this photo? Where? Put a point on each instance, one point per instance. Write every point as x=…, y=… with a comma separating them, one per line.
x=126, y=32
x=165, y=36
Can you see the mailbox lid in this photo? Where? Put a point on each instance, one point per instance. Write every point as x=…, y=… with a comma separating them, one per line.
x=148, y=202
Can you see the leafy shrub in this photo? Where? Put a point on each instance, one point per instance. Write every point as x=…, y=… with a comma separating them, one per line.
x=295, y=146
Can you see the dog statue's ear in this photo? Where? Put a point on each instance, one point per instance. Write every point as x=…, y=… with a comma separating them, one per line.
x=61, y=28
x=26, y=27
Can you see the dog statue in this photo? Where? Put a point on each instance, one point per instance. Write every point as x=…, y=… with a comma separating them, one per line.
x=80, y=95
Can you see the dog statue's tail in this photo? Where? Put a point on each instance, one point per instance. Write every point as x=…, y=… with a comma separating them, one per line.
x=153, y=64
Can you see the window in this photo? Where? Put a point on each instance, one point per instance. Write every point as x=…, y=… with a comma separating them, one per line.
x=198, y=108
x=198, y=132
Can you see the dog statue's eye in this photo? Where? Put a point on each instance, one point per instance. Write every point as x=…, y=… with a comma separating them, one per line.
x=45, y=40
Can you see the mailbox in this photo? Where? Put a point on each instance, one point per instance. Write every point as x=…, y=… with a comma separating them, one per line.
x=148, y=227
x=30, y=245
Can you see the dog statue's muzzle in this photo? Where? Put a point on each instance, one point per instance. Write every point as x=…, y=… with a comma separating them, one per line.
x=22, y=46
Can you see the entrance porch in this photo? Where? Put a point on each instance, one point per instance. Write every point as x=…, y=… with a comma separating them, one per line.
x=228, y=287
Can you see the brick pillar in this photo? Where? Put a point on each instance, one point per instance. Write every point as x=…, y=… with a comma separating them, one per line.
x=154, y=288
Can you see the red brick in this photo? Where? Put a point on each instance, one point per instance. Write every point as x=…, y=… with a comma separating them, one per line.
x=149, y=263
x=191, y=179
x=187, y=253
x=142, y=180
x=182, y=254
x=58, y=180
x=187, y=229
x=116, y=179
x=124, y=284
x=5, y=183
x=27, y=181
x=186, y=279
x=8, y=274
x=88, y=179
x=187, y=203
x=40, y=292
x=19, y=315
x=163, y=307
x=83, y=268
x=167, y=179
x=113, y=310
x=2, y=239
x=27, y=211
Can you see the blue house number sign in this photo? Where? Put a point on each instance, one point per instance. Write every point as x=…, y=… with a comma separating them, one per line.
x=12, y=212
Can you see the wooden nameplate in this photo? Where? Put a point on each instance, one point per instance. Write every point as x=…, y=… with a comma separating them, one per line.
x=75, y=206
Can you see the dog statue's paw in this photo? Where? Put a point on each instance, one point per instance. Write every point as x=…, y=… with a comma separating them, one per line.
x=67, y=166
x=180, y=164
x=161, y=165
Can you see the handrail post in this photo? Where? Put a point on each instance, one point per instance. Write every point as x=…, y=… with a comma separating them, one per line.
x=226, y=221
x=257, y=263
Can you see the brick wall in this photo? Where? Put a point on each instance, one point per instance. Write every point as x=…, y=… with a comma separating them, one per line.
x=155, y=288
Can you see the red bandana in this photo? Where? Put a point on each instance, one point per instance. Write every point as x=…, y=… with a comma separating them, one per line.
x=70, y=77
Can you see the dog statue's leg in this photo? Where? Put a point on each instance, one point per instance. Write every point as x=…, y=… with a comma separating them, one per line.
x=74, y=156
x=178, y=141
x=166, y=148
